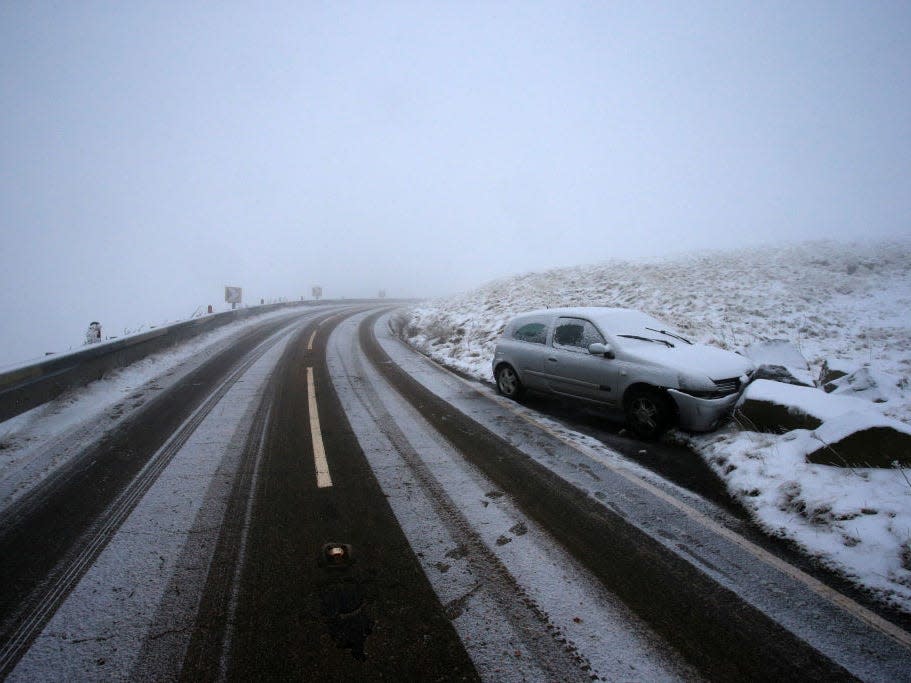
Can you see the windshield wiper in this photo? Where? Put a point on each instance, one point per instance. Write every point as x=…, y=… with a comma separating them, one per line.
x=648, y=339
x=670, y=334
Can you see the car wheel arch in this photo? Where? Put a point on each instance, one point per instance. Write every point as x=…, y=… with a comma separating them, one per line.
x=520, y=385
x=639, y=387
x=643, y=388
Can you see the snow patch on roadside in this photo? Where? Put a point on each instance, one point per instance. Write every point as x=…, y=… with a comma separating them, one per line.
x=36, y=443
x=856, y=522
x=141, y=595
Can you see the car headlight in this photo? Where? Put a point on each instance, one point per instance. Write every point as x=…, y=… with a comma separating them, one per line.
x=699, y=386
x=689, y=381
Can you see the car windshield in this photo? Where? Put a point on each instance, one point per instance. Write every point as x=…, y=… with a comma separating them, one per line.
x=636, y=325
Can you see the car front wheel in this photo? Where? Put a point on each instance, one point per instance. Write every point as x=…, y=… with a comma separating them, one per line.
x=508, y=383
x=648, y=413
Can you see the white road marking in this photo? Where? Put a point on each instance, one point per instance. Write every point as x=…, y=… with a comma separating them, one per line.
x=323, y=480
x=310, y=343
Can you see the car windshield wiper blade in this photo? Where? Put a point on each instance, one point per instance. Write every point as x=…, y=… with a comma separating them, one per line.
x=648, y=339
x=670, y=334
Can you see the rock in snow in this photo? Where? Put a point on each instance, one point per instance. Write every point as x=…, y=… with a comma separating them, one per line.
x=862, y=439
x=769, y=406
x=781, y=361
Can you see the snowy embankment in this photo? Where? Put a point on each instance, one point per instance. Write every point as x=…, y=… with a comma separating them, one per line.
x=839, y=307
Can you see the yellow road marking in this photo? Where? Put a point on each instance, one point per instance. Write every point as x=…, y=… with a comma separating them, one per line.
x=323, y=480
x=328, y=320
x=323, y=322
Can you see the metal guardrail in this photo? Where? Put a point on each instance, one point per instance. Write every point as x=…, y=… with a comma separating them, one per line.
x=29, y=386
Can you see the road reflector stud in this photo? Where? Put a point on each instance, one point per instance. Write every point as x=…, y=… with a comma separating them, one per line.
x=336, y=555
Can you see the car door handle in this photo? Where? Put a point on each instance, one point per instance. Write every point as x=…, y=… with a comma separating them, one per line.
x=552, y=360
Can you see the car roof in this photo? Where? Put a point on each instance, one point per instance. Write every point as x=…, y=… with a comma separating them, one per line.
x=609, y=317
x=600, y=312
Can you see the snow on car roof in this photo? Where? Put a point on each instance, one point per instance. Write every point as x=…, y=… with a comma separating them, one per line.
x=612, y=319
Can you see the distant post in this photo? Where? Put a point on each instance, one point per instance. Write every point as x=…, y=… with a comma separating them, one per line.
x=93, y=334
x=233, y=296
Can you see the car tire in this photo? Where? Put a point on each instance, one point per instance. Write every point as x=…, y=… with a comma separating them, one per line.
x=648, y=413
x=508, y=383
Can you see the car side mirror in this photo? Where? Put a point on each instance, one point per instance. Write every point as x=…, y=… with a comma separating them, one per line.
x=599, y=349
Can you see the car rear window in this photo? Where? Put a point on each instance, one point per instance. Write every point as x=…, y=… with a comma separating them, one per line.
x=535, y=333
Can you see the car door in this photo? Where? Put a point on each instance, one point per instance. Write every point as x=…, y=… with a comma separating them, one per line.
x=527, y=351
x=571, y=370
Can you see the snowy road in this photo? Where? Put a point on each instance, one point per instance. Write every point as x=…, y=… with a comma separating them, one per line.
x=523, y=607
x=316, y=501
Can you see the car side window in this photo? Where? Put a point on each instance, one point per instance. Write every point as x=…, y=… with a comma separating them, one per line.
x=575, y=334
x=536, y=333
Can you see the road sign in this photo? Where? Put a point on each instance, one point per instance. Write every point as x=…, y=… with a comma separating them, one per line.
x=317, y=291
x=233, y=295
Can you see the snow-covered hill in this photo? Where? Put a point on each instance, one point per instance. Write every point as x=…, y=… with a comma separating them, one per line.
x=833, y=301
x=845, y=305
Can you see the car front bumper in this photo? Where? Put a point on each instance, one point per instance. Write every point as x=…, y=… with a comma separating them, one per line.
x=702, y=414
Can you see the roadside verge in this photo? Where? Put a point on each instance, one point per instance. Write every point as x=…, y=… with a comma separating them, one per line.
x=731, y=610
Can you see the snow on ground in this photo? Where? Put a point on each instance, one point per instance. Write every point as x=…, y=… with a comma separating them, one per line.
x=36, y=443
x=845, y=305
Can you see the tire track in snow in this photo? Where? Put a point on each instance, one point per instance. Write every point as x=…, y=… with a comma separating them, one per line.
x=52, y=592
x=550, y=648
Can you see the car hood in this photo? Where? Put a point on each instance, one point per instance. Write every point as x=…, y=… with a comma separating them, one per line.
x=707, y=360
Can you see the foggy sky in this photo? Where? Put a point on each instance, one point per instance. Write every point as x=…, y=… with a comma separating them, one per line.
x=153, y=152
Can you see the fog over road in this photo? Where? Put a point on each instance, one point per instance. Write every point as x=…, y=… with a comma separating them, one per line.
x=317, y=501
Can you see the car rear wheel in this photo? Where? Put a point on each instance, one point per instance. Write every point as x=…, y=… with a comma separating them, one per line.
x=648, y=413
x=508, y=383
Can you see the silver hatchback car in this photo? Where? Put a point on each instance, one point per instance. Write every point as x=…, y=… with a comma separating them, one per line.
x=622, y=359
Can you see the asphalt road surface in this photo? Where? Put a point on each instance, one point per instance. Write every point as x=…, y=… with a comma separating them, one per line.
x=315, y=501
